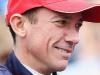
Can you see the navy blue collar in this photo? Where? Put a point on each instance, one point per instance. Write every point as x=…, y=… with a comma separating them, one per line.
x=16, y=68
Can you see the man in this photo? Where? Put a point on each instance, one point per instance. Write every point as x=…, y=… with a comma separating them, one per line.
x=45, y=33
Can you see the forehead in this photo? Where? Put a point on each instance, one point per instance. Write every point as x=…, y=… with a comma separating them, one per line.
x=44, y=12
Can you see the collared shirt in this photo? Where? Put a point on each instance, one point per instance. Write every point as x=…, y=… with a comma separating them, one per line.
x=34, y=72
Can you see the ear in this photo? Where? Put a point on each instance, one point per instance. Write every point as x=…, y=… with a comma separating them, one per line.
x=17, y=22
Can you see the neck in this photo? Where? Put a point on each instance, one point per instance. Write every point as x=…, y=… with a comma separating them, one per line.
x=26, y=57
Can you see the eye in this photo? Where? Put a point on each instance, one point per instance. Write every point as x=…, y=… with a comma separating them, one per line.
x=61, y=23
x=78, y=25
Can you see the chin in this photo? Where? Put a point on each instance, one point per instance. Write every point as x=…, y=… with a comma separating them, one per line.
x=61, y=66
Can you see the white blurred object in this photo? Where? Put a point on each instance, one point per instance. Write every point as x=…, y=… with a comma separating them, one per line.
x=90, y=67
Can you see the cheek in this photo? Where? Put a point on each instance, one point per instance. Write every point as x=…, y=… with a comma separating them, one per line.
x=54, y=37
x=38, y=41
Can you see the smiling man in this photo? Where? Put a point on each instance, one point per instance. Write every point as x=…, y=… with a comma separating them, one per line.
x=45, y=33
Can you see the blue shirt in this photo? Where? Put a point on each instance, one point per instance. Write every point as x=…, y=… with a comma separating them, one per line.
x=4, y=70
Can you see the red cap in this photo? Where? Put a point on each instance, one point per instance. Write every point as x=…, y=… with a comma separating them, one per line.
x=91, y=11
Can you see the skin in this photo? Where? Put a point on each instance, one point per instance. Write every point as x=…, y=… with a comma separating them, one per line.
x=47, y=45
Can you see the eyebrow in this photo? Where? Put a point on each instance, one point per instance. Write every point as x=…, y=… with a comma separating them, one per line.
x=66, y=17
x=61, y=17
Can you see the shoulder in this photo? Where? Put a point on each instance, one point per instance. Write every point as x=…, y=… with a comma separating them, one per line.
x=4, y=70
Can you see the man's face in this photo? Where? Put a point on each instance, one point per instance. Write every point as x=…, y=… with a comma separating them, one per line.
x=52, y=39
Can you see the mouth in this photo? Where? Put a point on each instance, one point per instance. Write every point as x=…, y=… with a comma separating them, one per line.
x=66, y=52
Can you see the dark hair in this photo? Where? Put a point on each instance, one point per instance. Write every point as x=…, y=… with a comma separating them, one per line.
x=30, y=15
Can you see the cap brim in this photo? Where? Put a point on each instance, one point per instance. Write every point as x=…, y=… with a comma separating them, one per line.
x=91, y=11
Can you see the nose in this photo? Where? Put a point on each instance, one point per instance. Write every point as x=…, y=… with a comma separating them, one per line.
x=71, y=36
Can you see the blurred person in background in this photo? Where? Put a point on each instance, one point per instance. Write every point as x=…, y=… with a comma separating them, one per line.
x=5, y=46
x=5, y=40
